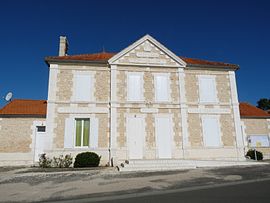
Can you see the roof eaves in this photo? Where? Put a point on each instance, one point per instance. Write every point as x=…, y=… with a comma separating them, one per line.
x=48, y=61
x=22, y=115
x=218, y=67
x=255, y=117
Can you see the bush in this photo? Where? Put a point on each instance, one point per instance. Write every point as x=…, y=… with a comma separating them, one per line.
x=87, y=159
x=57, y=162
x=251, y=154
x=62, y=162
x=44, y=162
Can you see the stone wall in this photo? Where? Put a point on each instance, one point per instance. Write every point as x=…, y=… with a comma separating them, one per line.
x=227, y=130
x=195, y=130
x=59, y=130
x=16, y=134
x=148, y=83
x=149, y=94
x=103, y=130
x=64, y=85
x=65, y=82
x=64, y=92
x=256, y=126
x=222, y=85
x=102, y=86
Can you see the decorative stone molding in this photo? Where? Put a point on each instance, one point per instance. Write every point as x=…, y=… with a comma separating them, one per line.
x=209, y=111
x=149, y=110
x=82, y=110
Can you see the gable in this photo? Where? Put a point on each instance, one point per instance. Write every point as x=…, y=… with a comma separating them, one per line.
x=149, y=52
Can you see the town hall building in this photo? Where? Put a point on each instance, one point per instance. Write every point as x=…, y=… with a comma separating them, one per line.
x=143, y=103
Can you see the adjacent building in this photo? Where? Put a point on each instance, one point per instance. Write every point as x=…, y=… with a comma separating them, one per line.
x=22, y=131
x=255, y=128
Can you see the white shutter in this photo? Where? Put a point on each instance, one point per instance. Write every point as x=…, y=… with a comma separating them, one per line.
x=211, y=131
x=207, y=89
x=134, y=87
x=93, y=140
x=69, y=133
x=83, y=87
x=162, y=87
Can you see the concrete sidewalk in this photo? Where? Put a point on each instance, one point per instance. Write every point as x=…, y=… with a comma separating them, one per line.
x=30, y=185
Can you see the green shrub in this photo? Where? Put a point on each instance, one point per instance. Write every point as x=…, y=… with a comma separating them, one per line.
x=44, y=162
x=62, y=161
x=251, y=154
x=87, y=159
x=57, y=162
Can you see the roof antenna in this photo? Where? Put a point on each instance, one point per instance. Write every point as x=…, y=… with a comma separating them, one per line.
x=8, y=97
x=103, y=49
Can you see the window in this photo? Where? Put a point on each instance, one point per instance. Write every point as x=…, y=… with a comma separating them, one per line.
x=82, y=132
x=211, y=131
x=134, y=92
x=207, y=89
x=162, y=88
x=83, y=87
x=41, y=128
x=258, y=141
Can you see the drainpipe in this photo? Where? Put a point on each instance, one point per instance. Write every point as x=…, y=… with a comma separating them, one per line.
x=110, y=124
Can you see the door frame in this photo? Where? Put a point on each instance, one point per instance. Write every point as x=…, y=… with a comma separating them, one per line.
x=34, y=137
x=170, y=117
x=141, y=116
x=38, y=136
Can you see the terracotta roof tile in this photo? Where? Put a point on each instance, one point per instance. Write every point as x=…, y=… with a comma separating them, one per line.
x=25, y=107
x=193, y=61
x=104, y=56
x=248, y=110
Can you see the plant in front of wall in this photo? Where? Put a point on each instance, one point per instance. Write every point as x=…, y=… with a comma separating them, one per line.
x=44, y=161
x=87, y=159
x=62, y=161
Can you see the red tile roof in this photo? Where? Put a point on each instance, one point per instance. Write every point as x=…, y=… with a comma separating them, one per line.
x=193, y=61
x=104, y=57
x=248, y=110
x=25, y=107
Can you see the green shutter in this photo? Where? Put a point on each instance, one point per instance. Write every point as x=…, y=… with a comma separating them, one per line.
x=86, y=132
x=78, y=132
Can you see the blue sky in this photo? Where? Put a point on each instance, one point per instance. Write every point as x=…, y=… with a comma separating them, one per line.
x=230, y=31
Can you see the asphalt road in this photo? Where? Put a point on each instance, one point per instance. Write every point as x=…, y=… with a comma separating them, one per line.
x=246, y=192
x=227, y=184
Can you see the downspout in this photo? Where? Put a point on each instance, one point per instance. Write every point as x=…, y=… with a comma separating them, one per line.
x=110, y=162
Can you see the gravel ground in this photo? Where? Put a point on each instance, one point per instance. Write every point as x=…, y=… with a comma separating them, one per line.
x=19, y=184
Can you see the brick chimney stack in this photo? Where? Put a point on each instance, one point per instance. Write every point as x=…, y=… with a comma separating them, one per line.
x=63, y=46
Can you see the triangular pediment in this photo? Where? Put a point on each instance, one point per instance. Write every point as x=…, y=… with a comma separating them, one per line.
x=147, y=52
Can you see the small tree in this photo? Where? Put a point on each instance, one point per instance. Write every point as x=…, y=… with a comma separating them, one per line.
x=252, y=155
x=87, y=159
x=264, y=104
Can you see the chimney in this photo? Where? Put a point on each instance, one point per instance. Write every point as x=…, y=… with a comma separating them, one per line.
x=63, y=46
